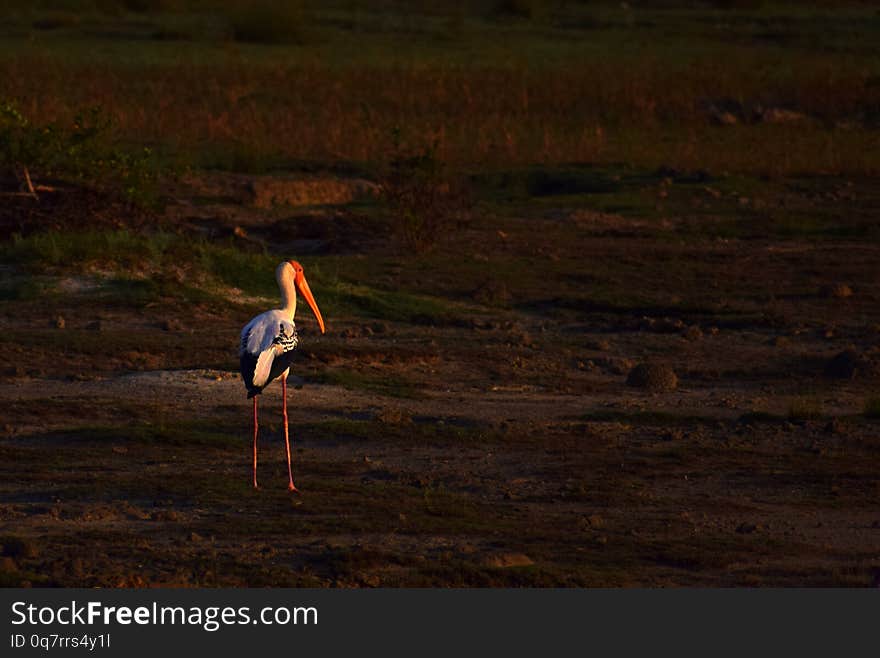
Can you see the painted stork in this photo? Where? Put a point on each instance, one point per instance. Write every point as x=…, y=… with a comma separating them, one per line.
x=267, y=345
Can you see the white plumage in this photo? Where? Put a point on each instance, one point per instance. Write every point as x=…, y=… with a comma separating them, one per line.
x=267, y=336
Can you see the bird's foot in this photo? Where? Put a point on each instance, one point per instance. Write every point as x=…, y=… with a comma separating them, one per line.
x=291, y=487
x=256, y=486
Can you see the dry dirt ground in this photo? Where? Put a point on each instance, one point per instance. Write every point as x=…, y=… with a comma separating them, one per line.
x=502, y=447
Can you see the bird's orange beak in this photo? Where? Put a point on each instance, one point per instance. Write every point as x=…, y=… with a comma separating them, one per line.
x=302, y=286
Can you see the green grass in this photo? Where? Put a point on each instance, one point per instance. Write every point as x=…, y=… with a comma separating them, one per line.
x=139, y=263
x=369, y=302
x=146, y=266
x=386, y=384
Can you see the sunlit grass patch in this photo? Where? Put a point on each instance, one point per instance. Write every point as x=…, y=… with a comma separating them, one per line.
x=380, y=304
x=124, y=249
x=384, y=384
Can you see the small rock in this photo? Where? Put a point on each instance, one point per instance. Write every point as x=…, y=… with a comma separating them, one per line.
x=844, y=365
x=620, y=366
x=523, y=338
x=652, y=377
x=724, y=118
x=693, y=333
x=394, y=416
x=165, y=515
x=781, y=115
x=834, y=426
x=507, y=560
x=170, y=324
x=370, y=579
x=838, y=290
x=58, y=322
x=596, y=521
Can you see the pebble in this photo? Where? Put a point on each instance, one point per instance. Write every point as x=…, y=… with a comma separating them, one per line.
x=596, y=521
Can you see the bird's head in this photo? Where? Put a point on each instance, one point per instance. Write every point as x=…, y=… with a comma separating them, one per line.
x=302, y=287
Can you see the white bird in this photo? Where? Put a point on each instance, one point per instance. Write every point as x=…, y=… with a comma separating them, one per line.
x=267, y=345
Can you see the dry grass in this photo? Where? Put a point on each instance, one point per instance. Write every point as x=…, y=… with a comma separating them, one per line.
x=617, y=111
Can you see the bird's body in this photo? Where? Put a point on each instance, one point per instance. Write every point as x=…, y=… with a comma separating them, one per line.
x=267, y=345
x=272, y=329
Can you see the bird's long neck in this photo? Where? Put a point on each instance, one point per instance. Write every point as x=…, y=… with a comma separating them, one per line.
x=288, y=298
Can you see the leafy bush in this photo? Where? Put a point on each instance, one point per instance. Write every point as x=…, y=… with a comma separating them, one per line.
x=426, y=201
x=80, y=151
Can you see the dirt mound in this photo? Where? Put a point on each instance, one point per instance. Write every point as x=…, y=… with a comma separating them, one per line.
x=652, y=377
x=268, y=192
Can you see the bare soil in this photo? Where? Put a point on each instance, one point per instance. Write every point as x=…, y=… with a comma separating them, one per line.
x=502, y=447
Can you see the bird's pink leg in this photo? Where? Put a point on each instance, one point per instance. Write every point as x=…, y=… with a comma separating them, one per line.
x=256, y=426
x=290, y=485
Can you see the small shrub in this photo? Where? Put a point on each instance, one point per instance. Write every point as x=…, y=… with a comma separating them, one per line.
x=652, y=377
x=426, y=201
x=81, y=151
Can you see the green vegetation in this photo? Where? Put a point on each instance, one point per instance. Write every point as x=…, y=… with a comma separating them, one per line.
x=136, y=256
x=80, y=151
x=382, y=384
